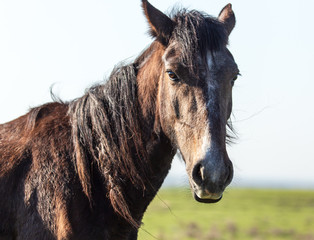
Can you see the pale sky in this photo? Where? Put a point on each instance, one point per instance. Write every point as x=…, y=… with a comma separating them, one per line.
x=74, y=43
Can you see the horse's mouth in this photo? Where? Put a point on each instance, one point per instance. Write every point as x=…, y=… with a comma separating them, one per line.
x=210, y=198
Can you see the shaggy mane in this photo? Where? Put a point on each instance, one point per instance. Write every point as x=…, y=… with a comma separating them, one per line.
x=96, y=118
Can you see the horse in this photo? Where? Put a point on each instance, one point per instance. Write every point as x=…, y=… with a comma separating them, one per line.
x=88, y=168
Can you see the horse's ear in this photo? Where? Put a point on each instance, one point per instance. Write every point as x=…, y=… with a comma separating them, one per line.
x=227, y=17
x=161, y=26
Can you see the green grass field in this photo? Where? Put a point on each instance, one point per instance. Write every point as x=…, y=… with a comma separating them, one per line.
x=241, y=214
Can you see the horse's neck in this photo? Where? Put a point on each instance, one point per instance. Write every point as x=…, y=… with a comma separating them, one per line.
x=150, y=68
x=161, y=154
x=158, y=146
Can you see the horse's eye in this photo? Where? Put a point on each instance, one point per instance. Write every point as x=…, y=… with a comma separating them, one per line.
x=172, y=76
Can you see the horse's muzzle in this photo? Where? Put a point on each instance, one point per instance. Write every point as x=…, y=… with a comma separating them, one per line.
x=209, y=180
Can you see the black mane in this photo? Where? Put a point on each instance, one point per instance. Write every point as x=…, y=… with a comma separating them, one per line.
x=96, y=117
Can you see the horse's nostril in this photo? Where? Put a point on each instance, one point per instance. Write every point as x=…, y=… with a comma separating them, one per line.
x=198, y=174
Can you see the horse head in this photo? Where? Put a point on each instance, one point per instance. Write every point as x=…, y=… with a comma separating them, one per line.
x=194, y=100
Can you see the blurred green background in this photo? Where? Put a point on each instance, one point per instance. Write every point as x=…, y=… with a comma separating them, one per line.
x=242, y=214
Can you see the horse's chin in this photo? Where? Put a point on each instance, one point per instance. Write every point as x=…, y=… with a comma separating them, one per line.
x=206, y=200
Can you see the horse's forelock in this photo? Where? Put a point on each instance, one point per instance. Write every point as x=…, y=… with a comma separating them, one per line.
x=195, y=33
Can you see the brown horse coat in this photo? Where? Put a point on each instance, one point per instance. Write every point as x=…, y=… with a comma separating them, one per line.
x=88, y=169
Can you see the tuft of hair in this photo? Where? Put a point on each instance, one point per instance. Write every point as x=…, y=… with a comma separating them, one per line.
x=107, y=132
x=232, y=134
x=196, y=33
